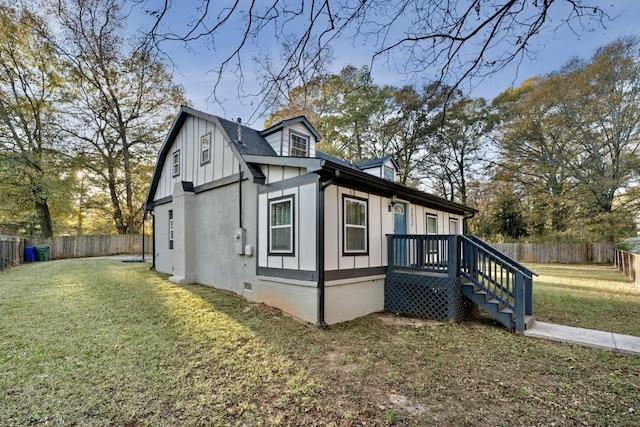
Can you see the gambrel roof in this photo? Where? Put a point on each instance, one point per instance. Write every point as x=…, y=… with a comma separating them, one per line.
x=253, y=150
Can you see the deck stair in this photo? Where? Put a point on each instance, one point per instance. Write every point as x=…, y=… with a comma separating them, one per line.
x=497, y=283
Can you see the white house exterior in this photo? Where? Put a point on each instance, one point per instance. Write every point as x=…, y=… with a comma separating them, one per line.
x=262, y=214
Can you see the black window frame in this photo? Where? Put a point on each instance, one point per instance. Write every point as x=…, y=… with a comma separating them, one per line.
x=171, y=229
x=351, y=252
x=282, y=199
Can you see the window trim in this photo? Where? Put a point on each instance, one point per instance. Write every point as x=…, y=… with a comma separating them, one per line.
x=203, y=138
x=171, y=229
x=433, y=245
x=270, y=202
x=293, y=133
x=175, y=165
x=457, y=225
x=352, y=252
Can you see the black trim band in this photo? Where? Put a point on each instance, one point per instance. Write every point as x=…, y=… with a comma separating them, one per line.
x=309, y=276
x=353, y=273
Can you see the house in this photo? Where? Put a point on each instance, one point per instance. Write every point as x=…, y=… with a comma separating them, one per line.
x=264, y=215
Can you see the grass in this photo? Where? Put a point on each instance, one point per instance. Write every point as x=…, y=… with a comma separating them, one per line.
x=586, y=296
x=99, y=342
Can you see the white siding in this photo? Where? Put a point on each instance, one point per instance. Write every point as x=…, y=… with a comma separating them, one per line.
x=332, y=240
x=223, y=162
x=307, y=234
x=304, y=229
x=281, y=141
x=380, y=223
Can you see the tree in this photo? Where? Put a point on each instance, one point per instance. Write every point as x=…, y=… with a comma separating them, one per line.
x=575, y=136
x=456, y=151
x=123, y=99
x=451, y=41
x=31, y=168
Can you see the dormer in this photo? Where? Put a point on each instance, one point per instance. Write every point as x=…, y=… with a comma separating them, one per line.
x=384, y=167
x=293, y=137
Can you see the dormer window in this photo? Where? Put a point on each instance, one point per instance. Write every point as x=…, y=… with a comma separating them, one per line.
x=299, y=145
x=389, y=173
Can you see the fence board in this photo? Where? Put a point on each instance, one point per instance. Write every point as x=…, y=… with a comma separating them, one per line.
x=90, y=246
x=561, y=253
x=629, y=264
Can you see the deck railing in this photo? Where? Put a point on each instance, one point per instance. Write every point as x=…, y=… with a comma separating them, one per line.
x=430, y=253
x=499, y=276
x=502, y=278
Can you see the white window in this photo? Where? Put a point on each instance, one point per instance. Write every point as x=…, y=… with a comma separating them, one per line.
x=281, y=226
x=389, y=173
x=355, y=225
x=432, y=228
x=176, y=163
x=171, y=229
x=432, y=224
x=205, y=148
x=299, y=145
x=453, y=226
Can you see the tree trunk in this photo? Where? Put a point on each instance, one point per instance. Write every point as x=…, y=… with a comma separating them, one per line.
x=44, y=217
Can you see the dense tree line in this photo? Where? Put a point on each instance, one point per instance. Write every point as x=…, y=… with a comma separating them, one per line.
x=556, y=158
x=84, y=107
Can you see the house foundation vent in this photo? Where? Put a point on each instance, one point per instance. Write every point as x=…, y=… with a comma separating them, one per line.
x=247, y=286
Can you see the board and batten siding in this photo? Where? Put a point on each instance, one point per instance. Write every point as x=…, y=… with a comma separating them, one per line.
x=304, y=229
x=281, y=141
x=380, y=223
x=223, y=162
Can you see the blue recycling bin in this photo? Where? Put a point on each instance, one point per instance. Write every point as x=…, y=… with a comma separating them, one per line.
x=30, y=254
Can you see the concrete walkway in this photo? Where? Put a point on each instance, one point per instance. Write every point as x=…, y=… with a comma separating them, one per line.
x=586, y=337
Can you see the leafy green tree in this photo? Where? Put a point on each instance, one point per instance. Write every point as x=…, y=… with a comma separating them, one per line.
x=31, y=167
x=123, y=99
x=572, y=140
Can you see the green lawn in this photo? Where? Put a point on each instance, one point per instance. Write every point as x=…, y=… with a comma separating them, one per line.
x=100, y=342
x=586, y=296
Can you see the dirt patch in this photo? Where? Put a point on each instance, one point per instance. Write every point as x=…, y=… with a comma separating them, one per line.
x=397, y=320
x=405, y=404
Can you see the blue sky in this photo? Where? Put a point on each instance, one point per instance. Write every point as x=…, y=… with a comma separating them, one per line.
x=554, y=47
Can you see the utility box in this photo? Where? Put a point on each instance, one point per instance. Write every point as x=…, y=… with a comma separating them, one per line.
x=239, y=241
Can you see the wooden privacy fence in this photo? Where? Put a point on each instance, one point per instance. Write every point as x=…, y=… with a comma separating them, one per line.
x=90, y=246
x=9, y=251
x=561, y=253
x=629, y=264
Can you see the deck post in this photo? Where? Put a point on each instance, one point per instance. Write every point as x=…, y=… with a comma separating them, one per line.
x=519, y=302
x=453, y=257
x=391, y=253
x=528, y=294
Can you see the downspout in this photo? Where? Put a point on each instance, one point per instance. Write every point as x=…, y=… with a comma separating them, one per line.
x=240, y=196
x=144, y=219
x=320, y=245
x=464, y=221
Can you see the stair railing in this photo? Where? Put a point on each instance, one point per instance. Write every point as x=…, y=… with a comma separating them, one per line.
x=501, y=277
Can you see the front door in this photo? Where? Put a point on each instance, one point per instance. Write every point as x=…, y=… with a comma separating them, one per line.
x=400, y=227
